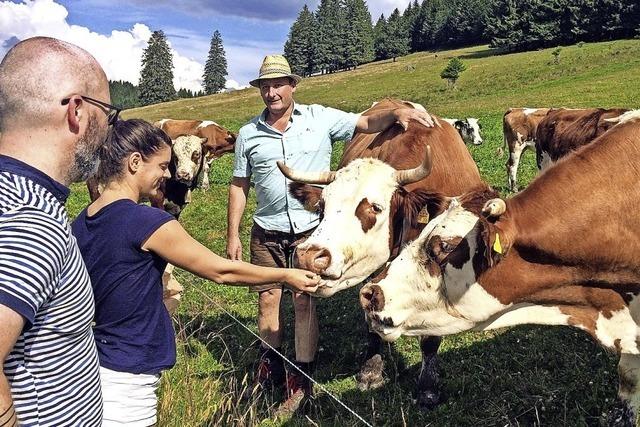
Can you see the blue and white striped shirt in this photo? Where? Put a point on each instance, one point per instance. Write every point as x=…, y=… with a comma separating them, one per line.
x=53, y=367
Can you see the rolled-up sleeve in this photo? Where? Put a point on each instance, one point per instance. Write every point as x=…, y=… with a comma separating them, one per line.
x=342, y=125
x=241, y=165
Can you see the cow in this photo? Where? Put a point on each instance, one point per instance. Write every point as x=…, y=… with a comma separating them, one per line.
x=519, y=126
x=564, y=251
x=217, y=140
x=469, y=129
x=187, y=164
x=363, y=208
x=565, y=130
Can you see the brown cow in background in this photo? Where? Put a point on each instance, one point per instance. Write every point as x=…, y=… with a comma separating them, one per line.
x=564, y=130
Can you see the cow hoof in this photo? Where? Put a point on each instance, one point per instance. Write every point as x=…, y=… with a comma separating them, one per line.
x=429, y=399
x=370, y=376
x=621, y=415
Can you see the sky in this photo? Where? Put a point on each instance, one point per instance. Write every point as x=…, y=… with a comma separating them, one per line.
x=116, y=31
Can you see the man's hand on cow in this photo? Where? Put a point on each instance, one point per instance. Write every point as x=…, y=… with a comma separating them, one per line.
x=405, y=115
x=234, y=248
x=301, y=280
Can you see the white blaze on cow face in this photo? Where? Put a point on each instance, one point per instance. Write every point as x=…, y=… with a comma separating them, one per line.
x=354, y=229
x=432, y=288
x=187, y=151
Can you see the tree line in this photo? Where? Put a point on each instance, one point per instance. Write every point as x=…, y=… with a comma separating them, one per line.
x=340, y=35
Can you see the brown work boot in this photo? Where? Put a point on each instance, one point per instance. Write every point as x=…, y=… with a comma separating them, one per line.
x=299, y=390
x=270, y=374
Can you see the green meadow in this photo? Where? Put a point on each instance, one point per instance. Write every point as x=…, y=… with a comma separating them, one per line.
x=524, y=375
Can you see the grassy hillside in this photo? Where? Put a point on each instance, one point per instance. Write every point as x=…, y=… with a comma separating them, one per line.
x=518, y=376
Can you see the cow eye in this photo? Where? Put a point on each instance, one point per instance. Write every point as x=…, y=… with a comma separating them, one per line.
x=376, y=208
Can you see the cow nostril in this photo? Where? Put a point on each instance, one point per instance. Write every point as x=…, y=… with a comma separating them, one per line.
x=322, y=260
x=372, y=298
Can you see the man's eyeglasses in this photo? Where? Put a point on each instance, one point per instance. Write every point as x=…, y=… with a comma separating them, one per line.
x=112, y=111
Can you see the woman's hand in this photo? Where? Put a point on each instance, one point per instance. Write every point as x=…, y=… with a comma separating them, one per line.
x=301, y=280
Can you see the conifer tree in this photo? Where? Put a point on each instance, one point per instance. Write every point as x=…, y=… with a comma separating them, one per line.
x=452, y=71
x=215, y=69
x=330, y=20
x=380, y=38
x=359, y=34
x=397, y=36
x=300, y=46
x=156, y=76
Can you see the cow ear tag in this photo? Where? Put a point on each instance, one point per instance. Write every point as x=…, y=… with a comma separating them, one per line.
x=497, y=247
x=423, y=216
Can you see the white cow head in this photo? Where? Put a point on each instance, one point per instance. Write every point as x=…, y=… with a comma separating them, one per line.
x=469, y=130
x=432, y=287
x=187, y=154
x=353, y=238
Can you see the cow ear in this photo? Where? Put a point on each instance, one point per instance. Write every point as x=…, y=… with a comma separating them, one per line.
x=203, y=140
x=459, y=124
x=309, y=196
x=231, y=137
x=421, y=206
x=492, y=245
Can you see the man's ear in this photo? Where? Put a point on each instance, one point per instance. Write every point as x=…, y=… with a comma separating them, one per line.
x=74, y=113
x=134, y=162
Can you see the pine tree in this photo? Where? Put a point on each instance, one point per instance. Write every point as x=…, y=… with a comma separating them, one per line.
x=156, y=76
x=380, y=38
x=330, y=41
x=452, y=71
x=300, y=46
x=397, y=36
x=215, y=69
x=359, y=34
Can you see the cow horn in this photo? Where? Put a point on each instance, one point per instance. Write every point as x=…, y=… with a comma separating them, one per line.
x=494, y=207
x=306, y=177
x=416, y=174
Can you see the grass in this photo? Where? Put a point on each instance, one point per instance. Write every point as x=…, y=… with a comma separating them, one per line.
x=519, y=376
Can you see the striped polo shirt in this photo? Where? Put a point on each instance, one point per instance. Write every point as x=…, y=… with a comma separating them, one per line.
x=53, y=367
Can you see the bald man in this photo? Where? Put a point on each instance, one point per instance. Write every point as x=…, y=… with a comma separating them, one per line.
x=54, y=115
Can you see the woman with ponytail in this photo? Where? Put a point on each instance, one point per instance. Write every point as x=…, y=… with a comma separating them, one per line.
x=126, y=247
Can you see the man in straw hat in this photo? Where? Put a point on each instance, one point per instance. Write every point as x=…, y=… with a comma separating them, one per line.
x=302, y=136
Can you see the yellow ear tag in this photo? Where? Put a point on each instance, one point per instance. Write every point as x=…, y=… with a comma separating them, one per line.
x=496, y=245
x=423, y=216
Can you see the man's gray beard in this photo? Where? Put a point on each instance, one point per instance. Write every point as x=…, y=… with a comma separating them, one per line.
x=86, y=156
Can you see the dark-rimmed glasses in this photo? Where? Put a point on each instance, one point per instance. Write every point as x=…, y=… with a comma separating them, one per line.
x=112, y=111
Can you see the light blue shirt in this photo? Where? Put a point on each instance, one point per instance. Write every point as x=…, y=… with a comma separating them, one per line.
x=305, y=144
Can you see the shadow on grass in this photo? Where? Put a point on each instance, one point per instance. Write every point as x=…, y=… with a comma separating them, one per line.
x=520, y=376
x=484, y=53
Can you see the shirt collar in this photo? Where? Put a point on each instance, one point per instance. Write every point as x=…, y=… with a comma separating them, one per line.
x=15, y=166
x=295, y=112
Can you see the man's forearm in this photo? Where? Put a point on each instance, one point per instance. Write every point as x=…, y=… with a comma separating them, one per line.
x=376, y=122
x=235, y=209
x=8, y=416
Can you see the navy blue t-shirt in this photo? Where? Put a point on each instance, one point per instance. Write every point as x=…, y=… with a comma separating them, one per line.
x=133, y=329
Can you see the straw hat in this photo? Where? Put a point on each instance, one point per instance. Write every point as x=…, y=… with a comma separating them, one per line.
x=273, y=67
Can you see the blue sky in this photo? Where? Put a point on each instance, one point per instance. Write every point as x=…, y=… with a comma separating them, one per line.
x=115, y=31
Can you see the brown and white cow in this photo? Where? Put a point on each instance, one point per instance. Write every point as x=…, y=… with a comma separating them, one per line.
x=368, y=212
x=565, y=130
x=469, y=129
x=519, y=126
x=216, y=140
x=564, y=251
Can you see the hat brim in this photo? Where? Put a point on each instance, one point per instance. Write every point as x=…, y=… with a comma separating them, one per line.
x=256, y=82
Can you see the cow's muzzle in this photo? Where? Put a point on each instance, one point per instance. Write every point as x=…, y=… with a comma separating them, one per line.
x=312, y=258
x=184, y=177
x=372, y=298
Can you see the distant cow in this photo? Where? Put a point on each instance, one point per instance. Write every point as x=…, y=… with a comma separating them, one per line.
x=216, y=139
x=368, y=213
x=565, y=130
x=519, y=126
x=564, y=251
x=186, y=166
x=469, y=129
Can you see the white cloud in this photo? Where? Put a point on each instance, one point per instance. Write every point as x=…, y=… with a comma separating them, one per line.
x=119, y=53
